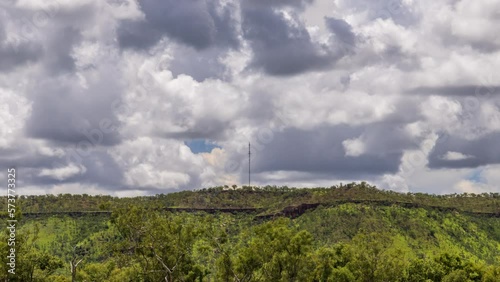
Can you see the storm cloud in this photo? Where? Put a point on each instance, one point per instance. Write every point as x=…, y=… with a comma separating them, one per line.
x=197, y=23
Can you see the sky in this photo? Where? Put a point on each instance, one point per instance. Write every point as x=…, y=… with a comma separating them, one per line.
x=141, y=97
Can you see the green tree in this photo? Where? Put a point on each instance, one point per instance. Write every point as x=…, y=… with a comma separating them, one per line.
x=274, y=252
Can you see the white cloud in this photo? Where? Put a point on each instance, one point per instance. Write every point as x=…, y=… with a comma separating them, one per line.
x=455, y=156
x=63, y=172
x=467, y=186
x=353, y=147
x=14, y=109
x=395, y=183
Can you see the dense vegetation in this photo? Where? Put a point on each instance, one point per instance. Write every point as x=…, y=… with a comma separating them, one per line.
x=345, y=233
x=268, y=199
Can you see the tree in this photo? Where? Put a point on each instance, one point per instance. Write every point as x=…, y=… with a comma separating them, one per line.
x=77, y=256
x=162, y=244
x=274, y=252
x=376, y=257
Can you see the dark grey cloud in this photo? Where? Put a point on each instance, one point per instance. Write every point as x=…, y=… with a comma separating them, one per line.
x=99, y=168
x=483, y=45
x=342, y=30
x=17, y=53
x=199, y=64
x=20, y=157
x=261, y=107
x=388, y=137
x=277, y=3
x=58, y=59
x=406, y=111
x=139, y=35
x=12, y=56
x=64, y=112
x=196, y=23
x=279, y=47
x=45, y=35
x=321, y=151
x=207, y=128
x=458, y=90
x=478, y=152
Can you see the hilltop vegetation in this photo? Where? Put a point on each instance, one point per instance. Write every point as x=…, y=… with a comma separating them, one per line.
x=268, y=199
x=350, y=233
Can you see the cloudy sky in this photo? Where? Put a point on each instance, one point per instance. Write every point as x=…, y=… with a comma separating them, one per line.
x=137, y=97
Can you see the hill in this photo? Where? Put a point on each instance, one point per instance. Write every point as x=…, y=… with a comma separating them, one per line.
x=351, y=232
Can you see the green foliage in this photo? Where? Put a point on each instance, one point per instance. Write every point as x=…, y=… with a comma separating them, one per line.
x=273, y=251
x=357, y=233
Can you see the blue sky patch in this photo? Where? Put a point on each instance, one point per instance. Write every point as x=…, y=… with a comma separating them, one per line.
x=476, y=176
x=200, y=146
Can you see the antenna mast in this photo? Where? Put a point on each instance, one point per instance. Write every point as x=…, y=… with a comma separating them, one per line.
x=249, y=164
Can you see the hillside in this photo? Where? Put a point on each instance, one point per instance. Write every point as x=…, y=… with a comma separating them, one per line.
x=345, y=233
x=267, y=200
